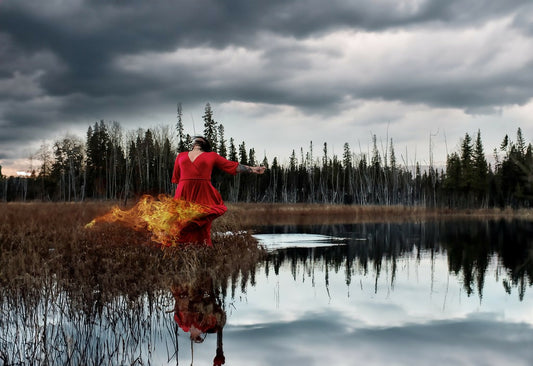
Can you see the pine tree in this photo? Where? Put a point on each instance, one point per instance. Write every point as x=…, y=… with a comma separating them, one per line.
x=222, y=150
x=188, y=142
x=466, y=163
x=68, y=166
x=520, y=145
x=210, y=127
x=293, y=162
x=243, y=158
x=347, y=156
x=505, y=144
x=480, y=168
x=232, y=150
x=98, y=158
x=251, y=157
x=179, y=128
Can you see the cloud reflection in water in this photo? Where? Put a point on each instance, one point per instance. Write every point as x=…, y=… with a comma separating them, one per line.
x=388, y=300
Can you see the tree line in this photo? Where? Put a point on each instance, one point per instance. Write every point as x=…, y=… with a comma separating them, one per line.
x=113, y=164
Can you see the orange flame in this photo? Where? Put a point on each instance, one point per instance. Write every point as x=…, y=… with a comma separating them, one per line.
x=164, y=217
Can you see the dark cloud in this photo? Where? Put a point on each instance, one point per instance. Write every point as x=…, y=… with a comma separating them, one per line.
x=66, y=62
x=471, y=95
x=87, y=36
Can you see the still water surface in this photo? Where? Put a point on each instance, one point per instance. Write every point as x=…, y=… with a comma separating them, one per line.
x=436, y=293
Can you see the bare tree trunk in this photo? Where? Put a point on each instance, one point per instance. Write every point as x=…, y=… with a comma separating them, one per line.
x=84, y=184
x=127, y=182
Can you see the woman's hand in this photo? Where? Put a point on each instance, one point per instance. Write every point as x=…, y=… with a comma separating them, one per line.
x=241, y=168
x=258, y=169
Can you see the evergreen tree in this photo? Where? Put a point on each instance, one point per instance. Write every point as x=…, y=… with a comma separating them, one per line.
x=310, y=155
x=520, y=146
x=265, y=162
x=347, y=156
x=505, y=143
x=179, y=128
x=466, y=163
x=251, y=157
x=514, y=173
x=480, y=168
x=293, y=162
x=222, y=150
x=232, y=150
x=188, y=142
x=243, y=158
x=98, y=157
x=67, y=167
x=210, y=127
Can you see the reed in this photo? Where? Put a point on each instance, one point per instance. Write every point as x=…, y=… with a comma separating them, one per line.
x=70, y=295
x=40, y=241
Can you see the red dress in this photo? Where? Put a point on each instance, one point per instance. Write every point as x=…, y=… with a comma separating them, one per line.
x=194, y=185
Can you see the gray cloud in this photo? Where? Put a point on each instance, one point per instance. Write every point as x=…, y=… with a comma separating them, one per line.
x=478, y=339
x=87, y=36
x=65, y=63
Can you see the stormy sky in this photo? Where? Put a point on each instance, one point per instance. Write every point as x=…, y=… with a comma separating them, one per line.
x=278, y=73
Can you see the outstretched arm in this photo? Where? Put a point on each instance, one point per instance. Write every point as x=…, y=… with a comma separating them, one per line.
x=241, y=168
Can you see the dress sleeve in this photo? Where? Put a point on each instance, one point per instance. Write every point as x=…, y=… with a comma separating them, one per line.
x=176, y=172
x=226, y=165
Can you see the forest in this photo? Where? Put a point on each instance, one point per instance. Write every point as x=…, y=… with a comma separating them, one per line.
x=113, y=164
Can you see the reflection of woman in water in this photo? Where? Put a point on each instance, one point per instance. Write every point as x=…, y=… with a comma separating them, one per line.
x=198, y=310
x=192, y=173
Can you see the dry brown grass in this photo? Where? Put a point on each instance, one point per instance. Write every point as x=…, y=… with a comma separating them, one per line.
x=42, y=243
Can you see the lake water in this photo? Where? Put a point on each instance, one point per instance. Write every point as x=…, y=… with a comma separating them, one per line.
x=435, y=293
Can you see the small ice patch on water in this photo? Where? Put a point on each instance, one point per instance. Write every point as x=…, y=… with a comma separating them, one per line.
x=279, y=241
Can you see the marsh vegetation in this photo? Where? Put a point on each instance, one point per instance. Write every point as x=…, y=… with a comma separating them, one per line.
x=70, y=295
x=57, y=278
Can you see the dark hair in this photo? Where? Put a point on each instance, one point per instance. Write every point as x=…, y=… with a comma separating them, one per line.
x=202, y=142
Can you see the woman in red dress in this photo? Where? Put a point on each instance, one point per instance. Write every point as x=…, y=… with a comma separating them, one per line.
x=192, y=174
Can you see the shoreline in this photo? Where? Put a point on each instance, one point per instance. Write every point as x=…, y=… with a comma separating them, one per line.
x=308, y=214
x=254, y=214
